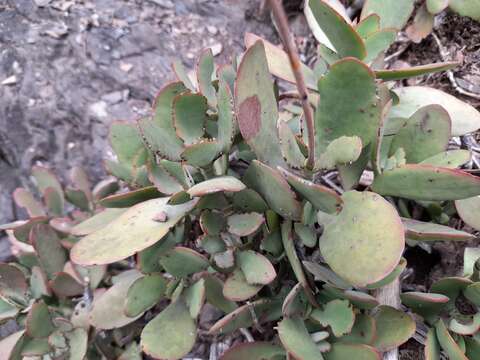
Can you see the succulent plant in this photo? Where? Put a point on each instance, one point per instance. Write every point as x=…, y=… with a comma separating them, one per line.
x=223, y=206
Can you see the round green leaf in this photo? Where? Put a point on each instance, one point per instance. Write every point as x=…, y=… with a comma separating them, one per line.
x=182, y=261
x=258, y=270
x=108, y=311
x=244, y=224
x=218, y=184
x=355, y=243
x=394, y=327
x=144, y=293
x=236, y=287
x=171, y=334
x=469, y=211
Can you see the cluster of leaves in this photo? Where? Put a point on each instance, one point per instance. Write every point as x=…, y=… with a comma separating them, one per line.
x=395, y=14
x=222, y=209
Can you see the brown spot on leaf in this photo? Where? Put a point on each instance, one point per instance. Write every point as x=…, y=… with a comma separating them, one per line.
x=249, y=118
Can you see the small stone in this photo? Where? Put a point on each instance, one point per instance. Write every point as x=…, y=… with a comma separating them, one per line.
x=212, y=29
x=42, y=3
x=126, y=67
x=116, y=96
x=216, y=49
x=160, y=217
x=167, y=4
x=99, y=109
x=11, y=80
x=57, y=30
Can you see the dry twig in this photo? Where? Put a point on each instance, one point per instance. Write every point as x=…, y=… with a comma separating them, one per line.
x=291, y=49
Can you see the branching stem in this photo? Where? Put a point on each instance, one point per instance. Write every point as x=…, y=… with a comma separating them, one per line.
x=291, y=49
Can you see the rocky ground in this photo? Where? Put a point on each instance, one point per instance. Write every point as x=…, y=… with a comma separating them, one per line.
x=69, y=68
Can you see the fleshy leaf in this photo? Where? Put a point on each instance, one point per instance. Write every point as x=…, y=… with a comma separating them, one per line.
x=130, y=198
x=226, y=121
x=341, y=34
x=195, y=298
x=341, y=351
x=125, y=141
x=323, y=198
x=470, y=327
x=426, y=231
x=244, y=224
x=178, y=331
x=257, y=111
x=364, y=330
x=432, y=347
x=182, y=261
x=468, y=210
x=469, y=8
x=108, y=311
x=64, y=285
x=97, y=221
x=425, y=134
x=427, y=305
x=205, y=71
x=182, y=74
x=50, y=252
x=343, y=243
x=465, y=118
x=414, y=71
x=218, y=184
x=338, y=314
x=447, y=343
x=289, y=247
x=159, y=131
x=264, y=310
x=368, y=25
x=347, y=108
x=297, y=341
x=114, y=241
x=189, y=116
x=144, y=293
x=202, y=153
x=425, y=182
x=257, y=268
x=341, y=151
x=278, y=62
x=378, y=42
x=393, y=13
x=38, y=323
x=274, y=189
x=236, y=287
x=23, y=198
x=253, y=351
x=306, y=234
x=290, y=150
x=45, y=180
x=451, y=159
x=394, y=328
x=436, y=6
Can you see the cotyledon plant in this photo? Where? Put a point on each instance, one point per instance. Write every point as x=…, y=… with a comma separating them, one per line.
x=225, y=207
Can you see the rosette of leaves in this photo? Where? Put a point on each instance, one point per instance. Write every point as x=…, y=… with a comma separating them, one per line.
x=223, y=210
x=39, y=288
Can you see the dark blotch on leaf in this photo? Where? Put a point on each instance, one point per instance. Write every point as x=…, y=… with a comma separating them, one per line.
x=249, y=117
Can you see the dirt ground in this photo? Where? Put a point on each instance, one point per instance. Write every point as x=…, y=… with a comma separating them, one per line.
x=69, y=68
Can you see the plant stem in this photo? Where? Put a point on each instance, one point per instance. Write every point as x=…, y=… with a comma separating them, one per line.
x=291, y=49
